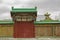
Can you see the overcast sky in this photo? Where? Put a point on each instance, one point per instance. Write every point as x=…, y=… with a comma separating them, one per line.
x=43, y=6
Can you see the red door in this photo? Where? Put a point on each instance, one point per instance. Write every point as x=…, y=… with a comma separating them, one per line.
x=24, y=30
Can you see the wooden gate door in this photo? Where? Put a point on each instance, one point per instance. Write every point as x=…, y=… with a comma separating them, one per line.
x=24, y=30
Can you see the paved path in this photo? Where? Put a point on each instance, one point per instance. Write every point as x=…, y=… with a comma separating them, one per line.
x=29, y=38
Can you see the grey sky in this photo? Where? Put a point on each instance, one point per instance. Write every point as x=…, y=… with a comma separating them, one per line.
x=51, y=6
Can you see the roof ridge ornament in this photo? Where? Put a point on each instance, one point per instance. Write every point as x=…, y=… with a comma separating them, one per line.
x=35, y=7
x=12, y=7
x=47, y=16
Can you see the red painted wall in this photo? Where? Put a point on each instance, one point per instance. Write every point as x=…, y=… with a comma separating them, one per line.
x=24, y=30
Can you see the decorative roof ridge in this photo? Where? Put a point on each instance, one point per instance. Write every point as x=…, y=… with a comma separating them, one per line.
x=24, y=8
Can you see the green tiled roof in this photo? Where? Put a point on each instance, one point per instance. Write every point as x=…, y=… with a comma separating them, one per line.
x=10, y=22
x=36, y=22
x=24, y=9
x=46, y=22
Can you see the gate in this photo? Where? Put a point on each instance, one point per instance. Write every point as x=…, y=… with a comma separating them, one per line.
x=24, y=30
